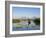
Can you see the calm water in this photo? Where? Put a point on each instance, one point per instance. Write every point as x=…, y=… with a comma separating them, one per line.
x=24, y=26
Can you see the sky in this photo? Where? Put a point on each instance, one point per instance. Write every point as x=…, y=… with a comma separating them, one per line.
x=18, y=12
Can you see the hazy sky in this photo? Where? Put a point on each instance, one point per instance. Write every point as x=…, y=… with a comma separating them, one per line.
x=25, y=11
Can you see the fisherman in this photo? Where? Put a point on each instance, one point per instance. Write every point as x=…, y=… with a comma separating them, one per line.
x=29, y=22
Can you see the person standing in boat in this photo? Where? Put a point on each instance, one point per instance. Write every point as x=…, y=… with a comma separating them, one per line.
x=29, y=22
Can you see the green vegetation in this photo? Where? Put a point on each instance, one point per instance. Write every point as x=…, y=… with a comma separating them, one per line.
x=15, y=20
x=37, y=21
x=29, y=19
x=19, y=20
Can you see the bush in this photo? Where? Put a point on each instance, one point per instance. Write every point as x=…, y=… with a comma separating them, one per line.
x=37, y=21
x=15, y=20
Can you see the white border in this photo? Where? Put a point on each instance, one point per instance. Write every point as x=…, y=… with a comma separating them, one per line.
x=31, y=31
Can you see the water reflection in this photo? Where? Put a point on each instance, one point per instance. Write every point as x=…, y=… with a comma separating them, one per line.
x=24, y=26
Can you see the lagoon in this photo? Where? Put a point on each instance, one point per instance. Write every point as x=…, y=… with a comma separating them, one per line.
x=23, y=26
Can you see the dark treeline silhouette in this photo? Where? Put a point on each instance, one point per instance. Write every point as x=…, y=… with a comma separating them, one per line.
x=37, y=21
